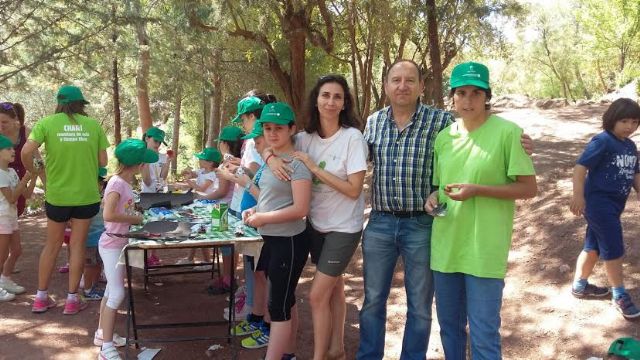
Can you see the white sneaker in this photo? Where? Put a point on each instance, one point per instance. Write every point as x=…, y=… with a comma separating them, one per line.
x=5, y=295
x=184, y=261
x=118, y=341
x=109, y=353
x=11, y=286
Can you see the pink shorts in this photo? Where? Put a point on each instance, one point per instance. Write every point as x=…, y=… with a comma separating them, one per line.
x=8, y=226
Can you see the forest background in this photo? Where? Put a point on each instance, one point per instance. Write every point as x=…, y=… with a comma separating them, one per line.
x=182, y=65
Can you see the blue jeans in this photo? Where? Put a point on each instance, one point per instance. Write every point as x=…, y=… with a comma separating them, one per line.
x=385, y=238
x=460, y=297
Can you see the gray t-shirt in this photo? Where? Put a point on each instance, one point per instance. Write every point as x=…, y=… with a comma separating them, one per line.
x=276, y=194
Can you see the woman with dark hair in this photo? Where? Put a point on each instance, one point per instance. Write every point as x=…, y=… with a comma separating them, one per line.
x=334, y=150
x=76, y=147
x=12, y=126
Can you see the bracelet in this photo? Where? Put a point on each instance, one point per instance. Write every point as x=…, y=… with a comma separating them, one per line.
x=266, y=161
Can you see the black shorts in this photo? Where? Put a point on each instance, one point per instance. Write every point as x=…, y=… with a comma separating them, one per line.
x=288, y=255
x=65, y=213
x=263, y=260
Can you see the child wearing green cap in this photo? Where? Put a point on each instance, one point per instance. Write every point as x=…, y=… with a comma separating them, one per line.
x=206, y=183
x=279, y=217
x=119, y=214
x=11, y=188
x=93, y=262
x=481, y=169
x=154, y=176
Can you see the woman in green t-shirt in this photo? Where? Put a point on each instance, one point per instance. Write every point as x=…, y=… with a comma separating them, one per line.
x=481, y=168
x=75, y=148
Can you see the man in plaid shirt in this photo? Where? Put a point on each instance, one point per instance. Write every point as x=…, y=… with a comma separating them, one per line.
x=400, y=139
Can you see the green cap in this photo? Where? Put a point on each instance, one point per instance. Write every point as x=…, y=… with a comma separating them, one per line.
x=247, y=105
x=277, y=113
x=255, y=132
x=230, y=133
x=156, y=134
x=5, y=143
x=134, y=152
x=102, y=172
x=470, y=73
x=210, y=154
x=68, y=94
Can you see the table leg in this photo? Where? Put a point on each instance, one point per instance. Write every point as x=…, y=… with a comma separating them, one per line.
x=131, y=312
x=146, y=272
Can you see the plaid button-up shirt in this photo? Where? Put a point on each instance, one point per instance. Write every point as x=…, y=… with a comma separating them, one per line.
x=403, y=160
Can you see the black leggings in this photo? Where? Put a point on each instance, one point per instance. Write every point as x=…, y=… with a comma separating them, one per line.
x=288, y=255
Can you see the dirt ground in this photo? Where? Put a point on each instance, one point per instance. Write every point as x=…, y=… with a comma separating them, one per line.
x=541, y=320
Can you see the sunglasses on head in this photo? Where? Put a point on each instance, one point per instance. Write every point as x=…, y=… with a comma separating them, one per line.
x=6, y=106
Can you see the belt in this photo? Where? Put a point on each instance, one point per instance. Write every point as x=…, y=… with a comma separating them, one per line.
x=405, y=214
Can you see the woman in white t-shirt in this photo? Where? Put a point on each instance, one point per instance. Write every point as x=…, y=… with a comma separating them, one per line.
x=334, y=150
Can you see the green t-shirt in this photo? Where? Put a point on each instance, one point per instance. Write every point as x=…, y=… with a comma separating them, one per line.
x=475, y=235
x=71, y=158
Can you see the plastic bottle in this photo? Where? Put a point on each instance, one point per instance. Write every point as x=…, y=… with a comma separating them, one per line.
x=223, y=208
x=215, y=218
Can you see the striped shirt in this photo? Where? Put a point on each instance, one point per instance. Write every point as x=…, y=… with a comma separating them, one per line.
x=403, y=160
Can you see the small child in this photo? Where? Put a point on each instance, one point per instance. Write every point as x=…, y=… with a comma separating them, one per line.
x=93, y=262
x=610, y=165
x=11, y=188
x=119, y=213
x=207, y=183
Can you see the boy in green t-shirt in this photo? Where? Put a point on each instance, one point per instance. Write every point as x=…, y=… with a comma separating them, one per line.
x=481, y=169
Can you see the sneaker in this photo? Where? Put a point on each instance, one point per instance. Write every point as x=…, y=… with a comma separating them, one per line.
x=5, y=295
x=291, y=356
x=257, y=340
x=40, y=306
x=72, y=307
x=11, y=287
x=184, y=261
x=626, y=307
x=109, y=353
x=218, y=288
x=94, y=294
x=591, y=291
x=245, y=328
x=118, y=341
x=64, y=269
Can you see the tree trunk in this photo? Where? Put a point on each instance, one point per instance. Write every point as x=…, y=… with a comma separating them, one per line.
x=176, y=130
x=297, y=37
x=215, y=119
x=142, y=73
x=434, y=53
x=117, y=120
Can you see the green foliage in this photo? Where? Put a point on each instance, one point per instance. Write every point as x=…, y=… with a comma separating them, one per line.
x=574, y=48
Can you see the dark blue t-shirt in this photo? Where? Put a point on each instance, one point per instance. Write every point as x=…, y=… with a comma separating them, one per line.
x=612, y=165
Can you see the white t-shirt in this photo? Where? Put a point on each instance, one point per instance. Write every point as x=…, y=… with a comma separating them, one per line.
x=8, y=179
x=154, y=171
x=249, y=155
x=207, y=176
x=342, y=154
